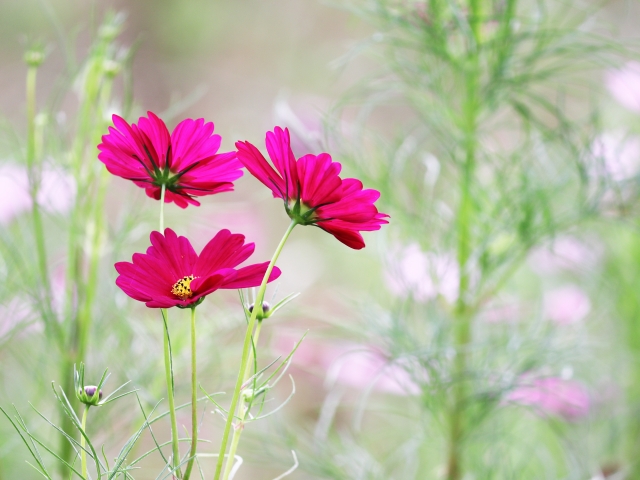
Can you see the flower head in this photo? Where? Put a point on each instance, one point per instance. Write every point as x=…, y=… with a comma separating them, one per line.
x=171, y=274
x=312, y=190
x=186, y=161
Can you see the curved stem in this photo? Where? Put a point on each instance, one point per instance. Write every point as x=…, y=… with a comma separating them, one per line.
x=237, y=432
x=245, y=353
x=194, y=398
x=83, y=443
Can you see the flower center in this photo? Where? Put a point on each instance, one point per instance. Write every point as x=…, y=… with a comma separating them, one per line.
x=182, y=288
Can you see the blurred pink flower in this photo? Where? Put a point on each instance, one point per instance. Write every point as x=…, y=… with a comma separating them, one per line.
x=56, y=195
x=18, y=312
x=618, y=156
x=624, y=85
x=509, y=311
x=422, y=275
x=564, y=253
x=565, y=305
x=553, y=396
x=352, y=365
x=13, y=313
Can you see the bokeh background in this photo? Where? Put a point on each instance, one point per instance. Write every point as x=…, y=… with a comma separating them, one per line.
x=565, y=324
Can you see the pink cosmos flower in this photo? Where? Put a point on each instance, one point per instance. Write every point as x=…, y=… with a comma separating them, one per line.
x=566, y=305
x=312, y=190
x=565, y=253
x=186, y=161
x=360, y=367
x=171, y=274
x=553, y=396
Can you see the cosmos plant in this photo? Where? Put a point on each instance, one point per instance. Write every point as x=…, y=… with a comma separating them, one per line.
x=180, y=167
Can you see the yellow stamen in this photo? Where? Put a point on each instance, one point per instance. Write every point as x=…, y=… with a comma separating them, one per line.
x=182, y=288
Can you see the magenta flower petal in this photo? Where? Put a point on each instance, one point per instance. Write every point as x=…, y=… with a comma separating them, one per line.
x=312, y=190
x=252, y=276
x=320, y=183
x=225, y=250
x=348, y=232
x=186, y=161
x=278, y=146
x=258, y=166
x=171, y=274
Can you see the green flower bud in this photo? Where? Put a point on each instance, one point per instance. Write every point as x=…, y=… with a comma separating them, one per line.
x=262, y=314
x=90, y=395
x=111, y=68
x=34, y=57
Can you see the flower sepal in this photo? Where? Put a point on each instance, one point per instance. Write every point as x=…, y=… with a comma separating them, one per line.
x=192, y=305
x=300, y=213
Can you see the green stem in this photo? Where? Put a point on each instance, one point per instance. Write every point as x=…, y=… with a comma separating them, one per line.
x=175, y=459
x=168, y=368
x=162, y=194
x=463, y=314
x=235, y=441
x=245, y=353
x=96, y=234
x=83, y=453
x=194, y=398
x=237, y=432
x=50, y=322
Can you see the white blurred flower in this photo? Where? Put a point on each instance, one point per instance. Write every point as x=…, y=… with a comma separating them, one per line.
x=56, y=194
x=624, y=85
x=422, y=275
x=618, y=156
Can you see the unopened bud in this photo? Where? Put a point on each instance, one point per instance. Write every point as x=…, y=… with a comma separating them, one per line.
x=111, y=67
x=261, y=315
x=34, y=57
x=108, y=32
x=247, y=394
x=87, y=396
x=90, y=390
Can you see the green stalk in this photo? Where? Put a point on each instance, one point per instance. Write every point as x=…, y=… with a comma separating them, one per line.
x=83, y=443
x=237, y=432
x=175, y=458
x=163, y=191
x=168, y=368
x=51, y=324
x=245, y=354
x=194, y=398
x=97, y=238
x=75, y=281
x=463, y=313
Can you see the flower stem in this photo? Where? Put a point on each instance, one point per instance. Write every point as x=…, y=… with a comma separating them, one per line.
x=168, y=370
x=83, y=441
x=237, y=432
x=245, y=353
x=194, y=398
x=463, y=316
x=162, y=194
x=50, y=322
